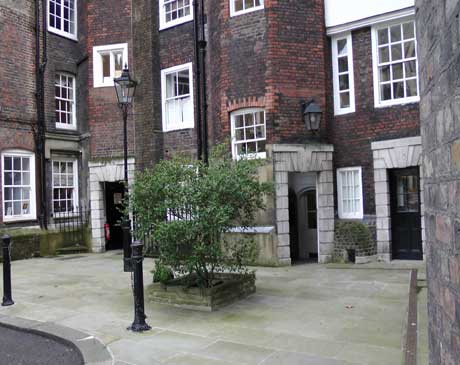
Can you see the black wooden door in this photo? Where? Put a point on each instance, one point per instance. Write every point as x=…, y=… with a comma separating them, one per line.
x=114, y=193
x=406, y=232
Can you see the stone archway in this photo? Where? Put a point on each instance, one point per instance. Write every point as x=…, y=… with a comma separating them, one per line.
x=305, y=158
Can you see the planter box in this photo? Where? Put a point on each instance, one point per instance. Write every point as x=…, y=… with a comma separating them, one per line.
x=232, y=288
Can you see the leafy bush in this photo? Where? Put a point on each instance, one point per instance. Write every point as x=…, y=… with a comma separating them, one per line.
x=161, y=273
x=355, y=234
x=202, y=203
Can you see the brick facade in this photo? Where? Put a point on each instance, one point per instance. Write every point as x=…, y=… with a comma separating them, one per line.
x=18, y=113
x=438, y=34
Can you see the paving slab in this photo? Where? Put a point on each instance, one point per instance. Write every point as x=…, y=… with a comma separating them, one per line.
x=305, y=314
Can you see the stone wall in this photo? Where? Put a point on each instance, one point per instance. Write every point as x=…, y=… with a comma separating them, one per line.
x=439, y=60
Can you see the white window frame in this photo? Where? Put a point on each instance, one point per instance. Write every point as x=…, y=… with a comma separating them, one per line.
x=233, y=12
x=335, y=70
x=167, y=127
x=164, y=24
x=61, y=32
x=98, y=51
x=233, y=133
x=375, y=63
x=73, y=103
x=75, y=183
x=358, y=214
x=33, y=213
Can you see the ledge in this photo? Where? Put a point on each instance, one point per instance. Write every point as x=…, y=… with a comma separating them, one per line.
x=315, y=147
x=395, y=143
x=93, y=351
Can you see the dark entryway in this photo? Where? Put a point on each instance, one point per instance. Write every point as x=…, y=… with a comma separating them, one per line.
x=114, y=193
x=406, y=230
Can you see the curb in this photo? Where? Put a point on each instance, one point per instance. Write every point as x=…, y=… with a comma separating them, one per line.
x=92, y=350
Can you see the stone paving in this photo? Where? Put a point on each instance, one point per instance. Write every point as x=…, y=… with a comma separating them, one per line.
x=306, y=314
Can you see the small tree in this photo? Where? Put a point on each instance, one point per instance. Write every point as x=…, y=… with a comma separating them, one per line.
x=188, y=206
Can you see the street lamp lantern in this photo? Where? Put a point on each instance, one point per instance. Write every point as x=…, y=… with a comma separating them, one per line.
x=312, y=115
x=125, y=88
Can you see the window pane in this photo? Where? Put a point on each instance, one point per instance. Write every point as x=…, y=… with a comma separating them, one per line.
x=396, y=52
x=342, y=47
x=411, y=88
x=385, y=73
x=383, y=36
x=8, y=178
x=409, y=49
x=239, y=121
x=8, y=161
x=384, y=54
x=386, y=92
x=183, y=83
x=345, y=100
x=239, y=5
x=344, y=82
x=395, y=32
x=343, y=64
x=106, y=65
x=118, y=59
x=398, y=71
x=411, y=68
x=398, y=90
x=17, y=163
x=408, y=29
x=8, y=193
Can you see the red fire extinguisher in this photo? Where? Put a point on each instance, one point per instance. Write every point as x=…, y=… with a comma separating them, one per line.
x=107, y=231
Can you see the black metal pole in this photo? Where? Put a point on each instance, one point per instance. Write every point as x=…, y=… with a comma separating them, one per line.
x=126, y=223
x=7, y=298
x=139, y=324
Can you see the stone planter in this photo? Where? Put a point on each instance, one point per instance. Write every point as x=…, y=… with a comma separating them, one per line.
x=232, y=287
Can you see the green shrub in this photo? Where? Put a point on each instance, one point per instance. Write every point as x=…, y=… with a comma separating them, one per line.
x=355, y=234
x=161, y=273
x=205, y=201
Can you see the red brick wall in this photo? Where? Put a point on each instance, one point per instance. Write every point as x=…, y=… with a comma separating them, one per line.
x=352, y=134
x=109, y=22
x=18, y=115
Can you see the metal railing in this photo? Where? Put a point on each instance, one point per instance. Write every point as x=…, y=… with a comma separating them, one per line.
x=72, y=223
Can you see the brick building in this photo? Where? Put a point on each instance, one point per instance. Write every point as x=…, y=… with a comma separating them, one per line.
x=438, y=32
x=264, y=61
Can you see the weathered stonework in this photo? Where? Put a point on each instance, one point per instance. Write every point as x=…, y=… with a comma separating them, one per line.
x=305, y=158
x=393, y=154
x=100, y=172
x=438, y=33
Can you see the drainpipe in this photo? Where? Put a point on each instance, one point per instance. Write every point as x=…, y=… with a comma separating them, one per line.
x=204, y=104
x=40, y=65
x=196, y=37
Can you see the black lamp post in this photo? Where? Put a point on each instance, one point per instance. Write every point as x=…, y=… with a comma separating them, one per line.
x=312, y=115
x=125, y=88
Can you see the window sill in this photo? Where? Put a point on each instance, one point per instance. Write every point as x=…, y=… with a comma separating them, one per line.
x=164, y=26
x=251, y=156
x=67, y=127
x=241, y=12
x=177, y=129
x=400, y=102
x=18, y=219
x=72, y=37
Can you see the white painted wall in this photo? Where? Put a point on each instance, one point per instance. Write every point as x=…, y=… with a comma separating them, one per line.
x=345, y=11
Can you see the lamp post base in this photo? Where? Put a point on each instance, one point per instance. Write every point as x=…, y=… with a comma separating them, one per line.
x=139, y=327
x=7, y=302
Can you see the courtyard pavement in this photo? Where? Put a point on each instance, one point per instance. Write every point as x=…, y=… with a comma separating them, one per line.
x=305, y=314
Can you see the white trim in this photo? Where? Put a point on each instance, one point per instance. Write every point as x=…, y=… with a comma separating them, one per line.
x=73, y=125
x=335, y=71
x=367, y=22
x=33, y=212
x=75, y=183
x=189, y=123
x=250, y=10
x=232, y=122
x=358, y=214
x=61, y=32
x=402, y=101
x=164, y=24
x=98, y=80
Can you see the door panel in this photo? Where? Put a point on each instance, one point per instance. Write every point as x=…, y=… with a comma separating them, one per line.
x=114, y=193
x=405, y=214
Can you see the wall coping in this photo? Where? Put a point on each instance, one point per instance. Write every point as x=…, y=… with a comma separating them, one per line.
x=395, y=143
x=317, y=147
x=116, y=161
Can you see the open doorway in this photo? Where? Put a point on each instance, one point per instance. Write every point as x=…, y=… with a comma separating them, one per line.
x=303, y=218
x=114, y=193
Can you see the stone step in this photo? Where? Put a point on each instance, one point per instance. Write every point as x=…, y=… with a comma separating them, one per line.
x=72, y=250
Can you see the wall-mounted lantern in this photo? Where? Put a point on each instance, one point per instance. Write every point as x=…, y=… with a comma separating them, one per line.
x=312, y=115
